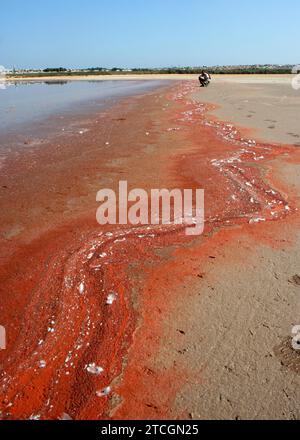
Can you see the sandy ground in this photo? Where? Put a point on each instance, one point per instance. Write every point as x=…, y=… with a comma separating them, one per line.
x=183, y=77
x=268, y=105
x=202, y=327
x=128, y=77
x=239, y=333
x=248, y=303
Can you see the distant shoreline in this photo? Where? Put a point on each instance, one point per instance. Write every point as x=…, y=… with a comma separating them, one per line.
x=136, y=77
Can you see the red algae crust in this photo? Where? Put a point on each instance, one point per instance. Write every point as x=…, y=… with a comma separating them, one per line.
x=84, y=306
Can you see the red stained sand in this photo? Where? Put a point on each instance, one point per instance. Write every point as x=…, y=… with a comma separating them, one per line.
x=55, y=288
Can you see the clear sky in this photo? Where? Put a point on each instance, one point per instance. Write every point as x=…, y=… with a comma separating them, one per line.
x=148, y=33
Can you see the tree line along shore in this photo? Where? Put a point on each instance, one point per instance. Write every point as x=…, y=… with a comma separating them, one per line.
x=232, y=70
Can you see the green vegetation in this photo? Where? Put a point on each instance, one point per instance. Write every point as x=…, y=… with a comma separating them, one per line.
x=58, y=70
x=222, y=70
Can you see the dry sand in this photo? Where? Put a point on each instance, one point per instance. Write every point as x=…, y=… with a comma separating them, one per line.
x=158, y=76
x=269, y=105
x=239, y=333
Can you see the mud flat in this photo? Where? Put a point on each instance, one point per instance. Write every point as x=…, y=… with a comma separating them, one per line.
x=145, y=322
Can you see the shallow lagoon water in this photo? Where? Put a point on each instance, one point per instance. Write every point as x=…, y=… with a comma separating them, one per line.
x=26, y=103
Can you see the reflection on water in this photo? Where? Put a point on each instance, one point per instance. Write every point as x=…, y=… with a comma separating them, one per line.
x=52, y=83
x=27, y=83
x=31, y=101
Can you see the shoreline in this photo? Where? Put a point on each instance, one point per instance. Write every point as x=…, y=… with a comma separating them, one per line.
x=25, y=115
x=153, y=280
x=149, y=77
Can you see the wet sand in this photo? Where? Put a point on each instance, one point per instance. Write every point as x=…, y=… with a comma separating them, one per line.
x=227, y=354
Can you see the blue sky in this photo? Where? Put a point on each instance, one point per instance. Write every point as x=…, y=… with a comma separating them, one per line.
x=148, y=33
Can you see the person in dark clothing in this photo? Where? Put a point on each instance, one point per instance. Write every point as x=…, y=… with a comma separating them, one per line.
x=204, y=79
